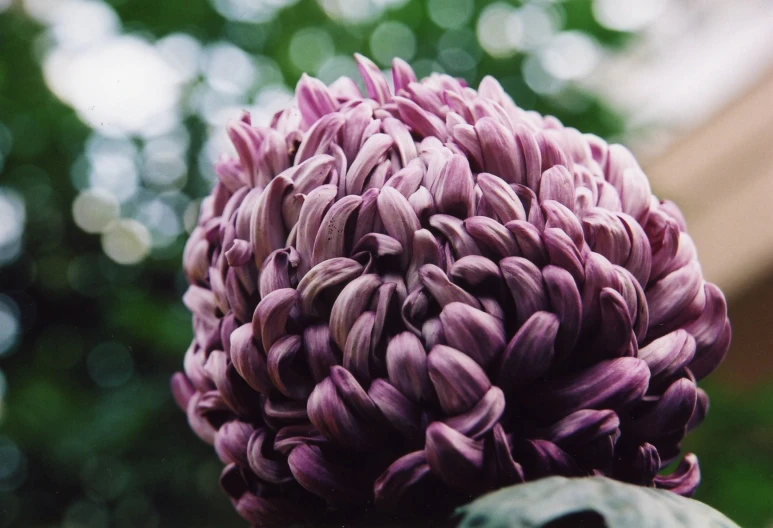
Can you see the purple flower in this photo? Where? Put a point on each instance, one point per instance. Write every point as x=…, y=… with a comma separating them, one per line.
x=408, y=300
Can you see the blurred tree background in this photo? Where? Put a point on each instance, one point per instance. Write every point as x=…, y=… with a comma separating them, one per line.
x=111, y=115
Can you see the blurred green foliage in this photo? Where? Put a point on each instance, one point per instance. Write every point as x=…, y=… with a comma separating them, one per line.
x=92, y=442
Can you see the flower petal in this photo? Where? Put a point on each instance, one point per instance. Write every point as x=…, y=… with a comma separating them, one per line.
x=453, y=457
x=459, y=381
x=474, y=332
x=530, y=352
x=524, y=280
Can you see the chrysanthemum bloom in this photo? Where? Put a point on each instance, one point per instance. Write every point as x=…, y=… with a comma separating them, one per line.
x=414, y=296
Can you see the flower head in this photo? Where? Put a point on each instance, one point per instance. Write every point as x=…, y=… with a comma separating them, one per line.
x=414, y=296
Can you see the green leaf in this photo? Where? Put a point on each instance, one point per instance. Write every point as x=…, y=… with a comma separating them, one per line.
x=588, y=502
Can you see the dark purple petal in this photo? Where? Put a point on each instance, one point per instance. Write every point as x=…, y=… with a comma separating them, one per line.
x=452, y=229
x=267, y=230
x=482, y=417
x=501, y=197
x=231, y=442
x=453, y=190
x=281, y=360
x=453, y=457
x=406, y=362
x=542, y=458
x=493, y=236
x=325, y=275
x=524, y=280
x=334, y=483
x=400, y=412
x=264, y=461
x=565, y=301
x=270, y=318
x=474, y=332
x=443, y=290
x=353, y=300
x=249, y=362
x=530, y=352
x=529, y=241
x=685, y=478
x=182, y=390
x=668, y=354
x=358, y=346
x=458, y=380
x=398, y=479
x=610, y=384
x=669, y=414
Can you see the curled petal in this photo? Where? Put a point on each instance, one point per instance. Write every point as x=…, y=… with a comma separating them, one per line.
x=423, y=204
x=475, y=270
x=506, y=470
x=403, y=140
x=278, y=270
x=524, y=280
x=357, y=120
x=426, y=250
x=530, y=352
x=529, y=241
x=421, y=122
x=249, y=362
x=610, y=384
x=542, y=458
x=182, y=390
x=399, y=219
x=635, y=194
x=557, y=183
x=666, y=355
x=466, y=138
x=564, y=298
x=453, y=191
x=443, y=290
x=685, y=478
x=358, y=346
x=317, y=140
x=398, y=479
x=334, y=483
x=399, y=411
x=606, y=235
x=281, y=361
x=314, y=101
x=559, y=216
x=701, y=409
x=406, y=362
x=474, y=332
x=582, y=427
x=495, y=140
x=671, y=413
x=490, y=234
x=453, y=457
x=375, y=83
x=712, y=355
x=335, y=419
x=324, y=275
x=197, y=422
x=231, y=442
x=407, y=180
x=459, y=382
x=264, y=461
x=313, y=210
x=319, y=351
x=563, y=253
x=353, y=300
x=367, y=158
x=501, y=197
x=482, y=417
x=452, y=229
x=639, y=261
x=670, y=296
x=270, y=318
x=312, y=173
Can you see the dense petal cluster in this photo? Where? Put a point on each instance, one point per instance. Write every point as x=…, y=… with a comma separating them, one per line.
x=410, y=297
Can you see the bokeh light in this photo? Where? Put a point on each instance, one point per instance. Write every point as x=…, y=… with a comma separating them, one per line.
x=392, y=39
x=450, y=14
x=127, y=242
x=9, y=324
x=627, y=15
x=12, y=219
x=13, y=465
x=309, y=47
x=110, y=365
x=95, y=210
